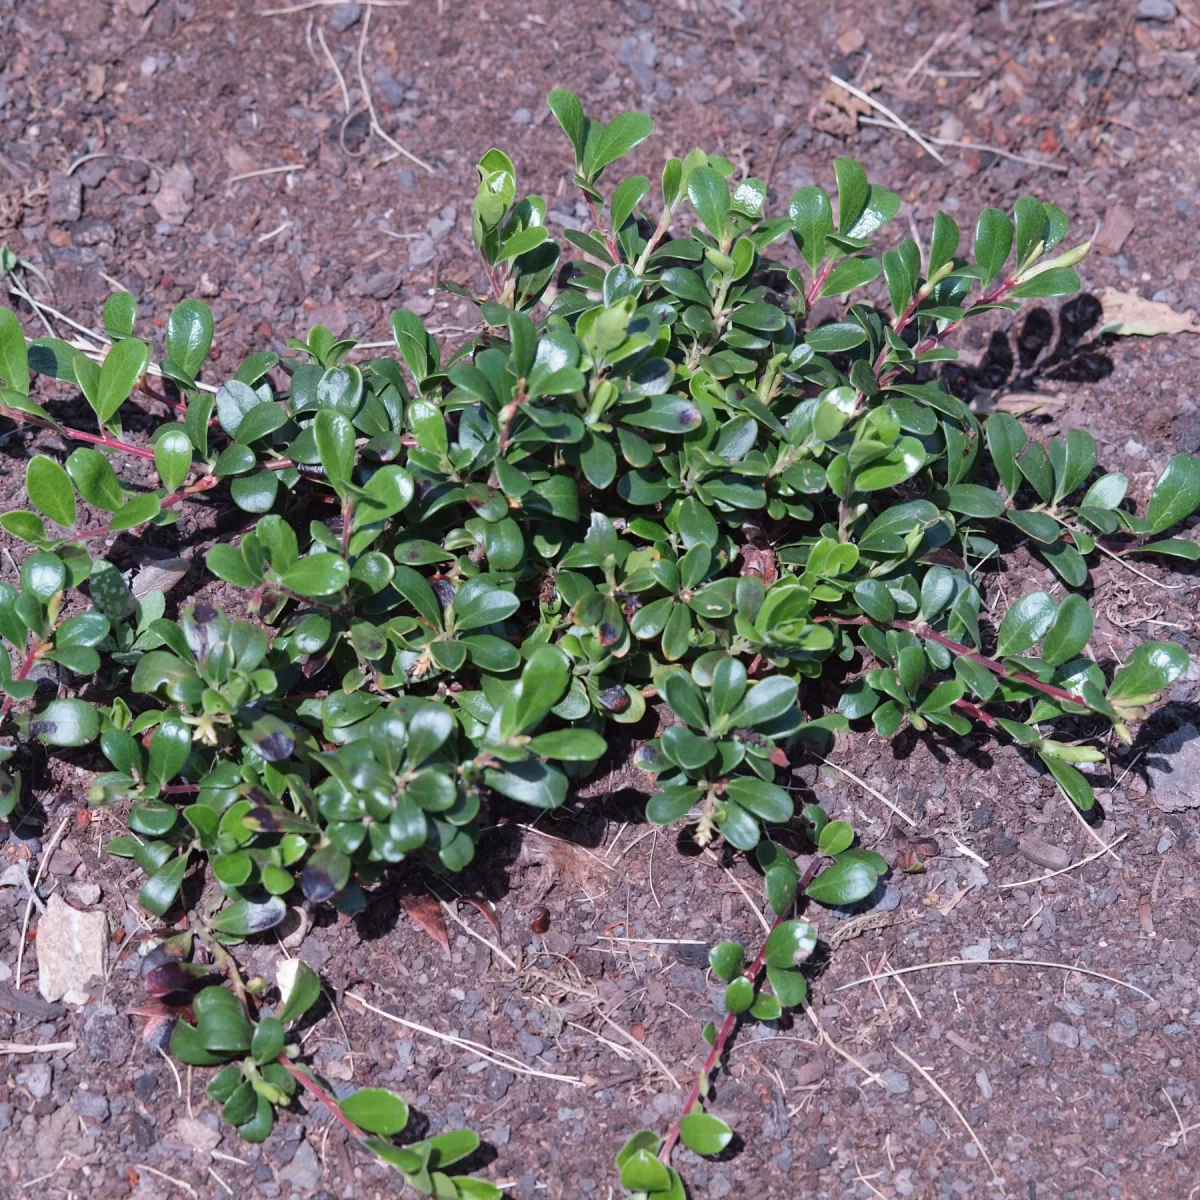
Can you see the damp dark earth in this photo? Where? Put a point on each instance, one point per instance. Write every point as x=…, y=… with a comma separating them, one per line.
x=1015, y=1010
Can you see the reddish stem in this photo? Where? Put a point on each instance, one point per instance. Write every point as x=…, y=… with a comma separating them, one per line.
x=730, y=1022
x=31, y=656
x=177, y=408
x=321, y=1094
x=203, y=484
x=818, y=281
x=609, y=240
x=77, y=435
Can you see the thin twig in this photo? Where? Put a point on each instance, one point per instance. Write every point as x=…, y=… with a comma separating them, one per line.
x=896, y=122
x=997, y=150
x=366, y=91
x=179, y=1183
x=988, y=962
x=941, y=1091
x=31, y=1048
x=485, y=1052
x=295, y=8
x=47, y=854
x=267, y=170
x=1063, y=870
x=336, y=70
x=862, y=783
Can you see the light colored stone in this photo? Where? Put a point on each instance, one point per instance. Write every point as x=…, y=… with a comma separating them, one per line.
x=176, y=194
x=1045, y=854
x=1173, y=764
x=196, y=1134
x=71, y=950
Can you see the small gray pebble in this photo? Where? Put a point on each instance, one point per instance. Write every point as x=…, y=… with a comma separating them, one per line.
x=345, y=16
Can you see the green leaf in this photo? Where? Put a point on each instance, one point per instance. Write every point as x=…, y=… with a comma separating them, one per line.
x=812, y=222
x=1070, y=632
x=267, y=1043
x=376, y=1110
x=49, y=489
x=683, y=698
x=334, y=435
x=709, y=194
x=993, y=241
x=1176, y=493
x=764, y=800
x=1107, y=492
x=1006, y=439
x=853, y=190
x=789, y=986
x=189, y=336
x=1026, y=623
x=835, y=837
x=739, y=995
x=14, y=358
x=123, y=366
x=626, y=198
x=1149, y=669
x=160, y=890
x=791, y=943
x=569, y=745
x=172, y=456
x=703, y=1133
x=944, y=244
x=850, y=879
x=726, y=959
x=1057, y=281
x=135, y=512
x=303, y=993
x=120, y=312
x=317, y=575
x=94, y=479
x=1078, y=790
x=65, y=723
x=622, y=134
x=902, y=462
x=850, y=273
x=569, y=113
x=243, y=917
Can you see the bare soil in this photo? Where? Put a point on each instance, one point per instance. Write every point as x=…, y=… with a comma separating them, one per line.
x=135, y=141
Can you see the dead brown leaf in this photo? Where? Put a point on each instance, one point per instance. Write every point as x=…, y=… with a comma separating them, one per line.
x=1129, y=315
x=486, y=907
x=426, y=912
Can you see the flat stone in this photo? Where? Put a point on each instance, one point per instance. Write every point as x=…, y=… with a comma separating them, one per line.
x=1062, y=1034
x=304, y=1171
x=66, y=198
x=1043, y=853
x=1156, y=10
x=1173, y=764
x=140, y=8
x=345, y=16
x=176, y=194
x=1119, y=223
x=71, y=950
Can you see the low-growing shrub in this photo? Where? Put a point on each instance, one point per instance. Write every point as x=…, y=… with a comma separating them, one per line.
x=679, y=482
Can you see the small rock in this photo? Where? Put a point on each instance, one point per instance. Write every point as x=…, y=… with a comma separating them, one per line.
x=985, y=1084
x=87, y=894
x=345, y=16
x=106, y=1035
x=897, y=1082
x=443, y=222
x=1173, y=765
x=71, y=949
x=304, y=1171
x=497, y=1083
x=1127, y=1023
x=36, y=1077
x=978, y=952
x=1118, y=224
x=66, y=198
x=1156, y=10
x=175, y=195
x=810, y=1072
x=196, y=1134
x=1043, y=853
x=951, y=128
x=140, y=8
x=522, y=116
x=1062, y=1034
x=421, y=251
x=90, y=1104
x=1135, y=449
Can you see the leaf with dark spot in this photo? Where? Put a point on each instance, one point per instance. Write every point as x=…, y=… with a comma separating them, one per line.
x=327, y=872
x=173, y=977
x=615, y=698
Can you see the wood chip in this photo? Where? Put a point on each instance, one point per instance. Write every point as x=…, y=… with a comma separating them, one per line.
x=1118, y=224
x=1044, y=853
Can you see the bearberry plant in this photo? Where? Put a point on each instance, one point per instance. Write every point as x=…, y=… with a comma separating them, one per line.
x=689, y=481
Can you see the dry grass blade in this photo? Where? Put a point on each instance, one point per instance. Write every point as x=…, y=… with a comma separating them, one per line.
x=941, y=1091
x=498, y=1057
x=998, y=962
x=999, y=151
x=862, y=783
x=366, y=91
x=265, y=171
x=179, y=1183
x=311, y=4
x=30, y=1048
x=47, y=854
x=894, y=120
x=1063, y=870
